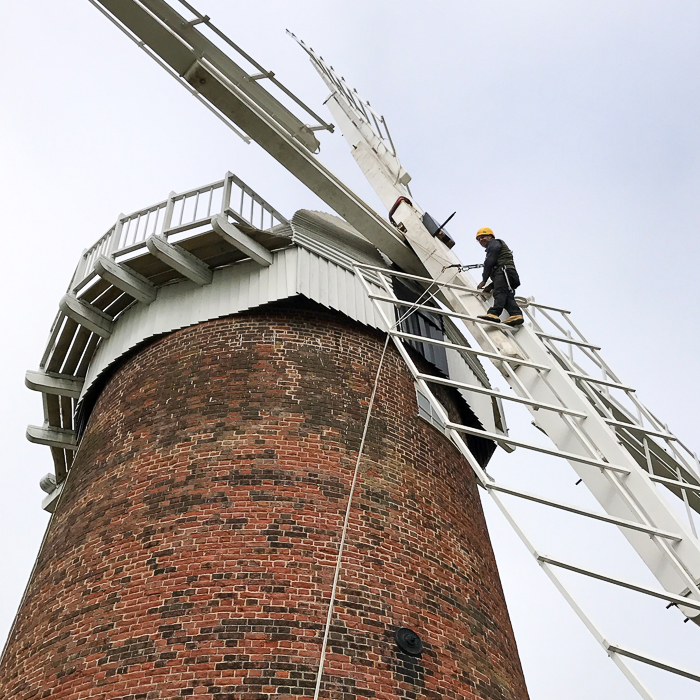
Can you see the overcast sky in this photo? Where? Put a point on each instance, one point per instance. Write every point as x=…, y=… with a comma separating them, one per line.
x=570, y=128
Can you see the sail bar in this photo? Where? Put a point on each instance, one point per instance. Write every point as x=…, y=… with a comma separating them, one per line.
x=675, y=599
x=675, y=482
x=569, y=456
x=693, y=675
x=639, y=428
x=471, y=351
x=586, y=513
x=418, y=278
x=438, y=310
x=500, y=394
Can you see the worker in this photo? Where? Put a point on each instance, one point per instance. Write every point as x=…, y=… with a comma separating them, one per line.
x=500, y=268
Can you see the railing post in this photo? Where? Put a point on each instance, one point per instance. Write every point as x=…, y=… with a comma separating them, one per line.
x=168, y=218
x=226, y=195
x=115, y=238
x=79, y=272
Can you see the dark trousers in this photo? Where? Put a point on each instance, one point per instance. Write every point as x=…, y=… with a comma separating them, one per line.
x=503, y=292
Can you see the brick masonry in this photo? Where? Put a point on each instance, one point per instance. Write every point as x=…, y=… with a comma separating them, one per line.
x=193, y=549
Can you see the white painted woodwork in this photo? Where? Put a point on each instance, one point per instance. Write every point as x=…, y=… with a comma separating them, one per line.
x=235, y=237
x=179, y=259
x=52, y=437
x=127, y=280
x=50, y=500
x=87, y=315
x=52, y=383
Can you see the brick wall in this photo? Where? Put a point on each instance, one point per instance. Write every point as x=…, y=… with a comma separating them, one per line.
x=193, y=549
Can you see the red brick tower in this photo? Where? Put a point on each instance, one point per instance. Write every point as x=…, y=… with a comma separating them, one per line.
x=193, y=546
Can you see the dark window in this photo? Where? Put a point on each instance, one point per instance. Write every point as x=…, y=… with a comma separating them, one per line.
x=422, y=323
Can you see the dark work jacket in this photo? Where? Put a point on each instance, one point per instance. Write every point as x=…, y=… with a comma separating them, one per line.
x=498, y=257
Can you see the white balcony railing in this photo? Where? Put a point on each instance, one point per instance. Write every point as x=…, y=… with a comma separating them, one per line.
x=178, y=214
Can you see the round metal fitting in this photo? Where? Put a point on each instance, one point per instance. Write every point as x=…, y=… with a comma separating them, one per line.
x=408, y=641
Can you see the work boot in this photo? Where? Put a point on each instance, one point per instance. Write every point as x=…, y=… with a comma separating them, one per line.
x=492, y=317
x=516, y=320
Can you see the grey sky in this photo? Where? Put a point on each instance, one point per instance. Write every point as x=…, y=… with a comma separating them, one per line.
x=571, y=129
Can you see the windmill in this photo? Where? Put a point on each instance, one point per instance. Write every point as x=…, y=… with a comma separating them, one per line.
x=528, y=352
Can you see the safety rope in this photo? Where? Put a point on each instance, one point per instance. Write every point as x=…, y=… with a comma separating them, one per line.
x=336, y=576
x=339, y=559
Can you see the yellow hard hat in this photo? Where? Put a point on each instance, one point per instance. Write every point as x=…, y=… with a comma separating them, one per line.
x=484, y=232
